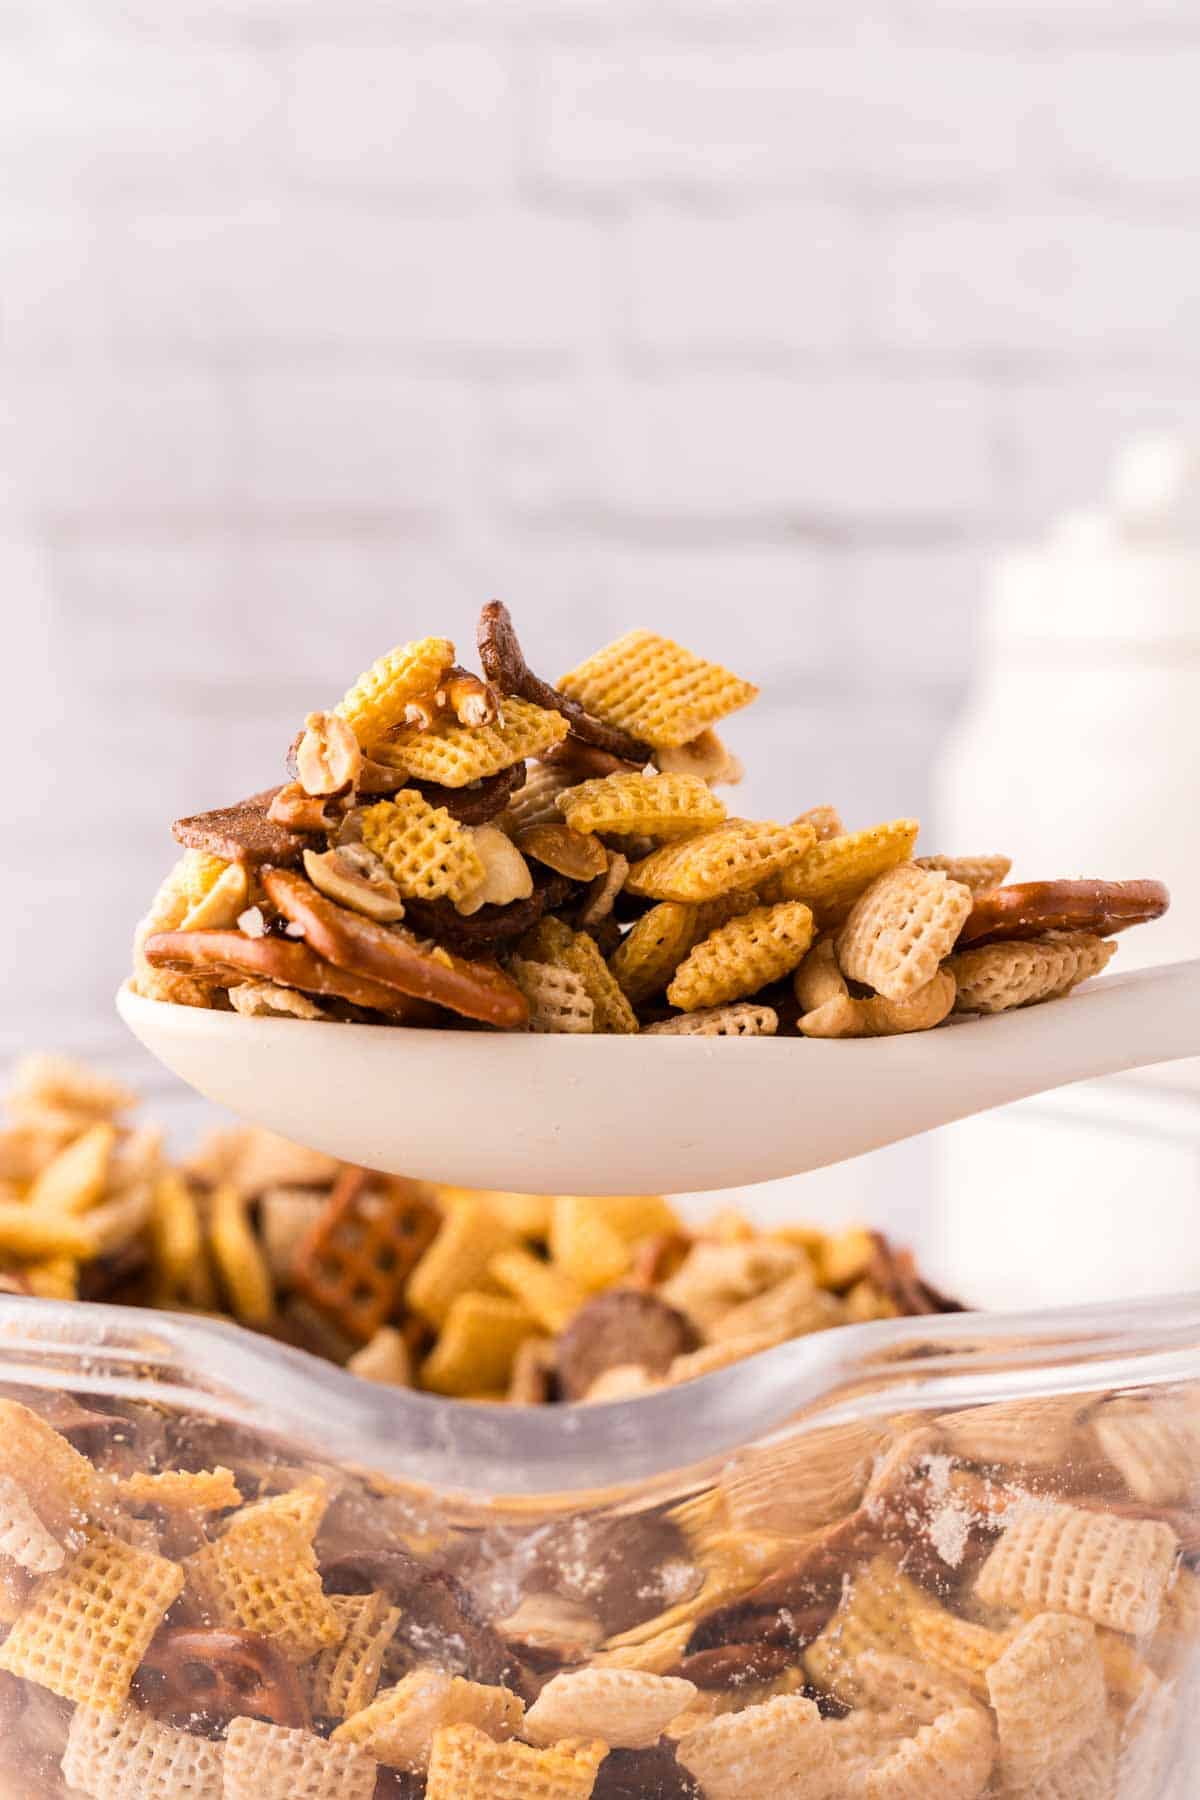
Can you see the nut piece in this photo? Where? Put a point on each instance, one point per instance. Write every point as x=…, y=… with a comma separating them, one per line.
x=472, y=701
x=705, y=756
x=355, y=877
x=302, y=812
x=576, y=854
x=328, y=757
x=506, y=875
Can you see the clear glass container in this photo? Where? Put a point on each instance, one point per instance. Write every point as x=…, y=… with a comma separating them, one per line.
x=956, y=1555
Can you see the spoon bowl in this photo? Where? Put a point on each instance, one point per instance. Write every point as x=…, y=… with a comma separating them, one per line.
x=592, y=1115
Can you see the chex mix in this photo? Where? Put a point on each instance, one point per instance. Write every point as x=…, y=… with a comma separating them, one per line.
x=473, y=1295
x=1000, y=1600
x=453, y=847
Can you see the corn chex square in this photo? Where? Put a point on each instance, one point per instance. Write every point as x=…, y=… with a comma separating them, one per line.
x=466, y=1764
x=398, y=1728
x=742, y=956
x=344, y=1677
x=741, y=853
x=642, y=805
x=834, y=871
x=261, y=1575
x=427, y=853
x=454, y=755
x=85, y=1628
x=378, y=699
x=951, y=1757
x=656, y=690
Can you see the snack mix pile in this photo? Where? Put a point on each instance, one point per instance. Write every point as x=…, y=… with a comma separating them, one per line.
x=998, y=1600
x=456, y=849
x=480, y=1296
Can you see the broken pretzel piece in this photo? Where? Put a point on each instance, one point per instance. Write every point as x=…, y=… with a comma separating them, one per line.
x=387, y=955
x=1030, y=908
x=231, y=957
x=200, y=1674
x=355, y=1260
x=504, y=664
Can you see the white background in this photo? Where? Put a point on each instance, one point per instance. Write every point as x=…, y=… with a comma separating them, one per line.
x=764, y=322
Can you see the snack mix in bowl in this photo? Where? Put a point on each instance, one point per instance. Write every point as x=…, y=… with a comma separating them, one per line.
x=961, y=1561
x=456, y=849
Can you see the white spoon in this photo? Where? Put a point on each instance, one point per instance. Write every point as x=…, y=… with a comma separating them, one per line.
x=607, y=1115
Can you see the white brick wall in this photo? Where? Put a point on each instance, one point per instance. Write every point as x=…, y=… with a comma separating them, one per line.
x=765, y=320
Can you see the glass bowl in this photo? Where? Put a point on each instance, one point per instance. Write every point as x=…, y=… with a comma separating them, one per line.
x=955, y=1554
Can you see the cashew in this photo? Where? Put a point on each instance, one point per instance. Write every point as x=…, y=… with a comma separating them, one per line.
x=472, y=701
x=818, y=979
x=506, y=875
x=576, y=854
x=354, y=877
x=302, y=812
x=328, y=757
x=842, y=1016
x=705, y=756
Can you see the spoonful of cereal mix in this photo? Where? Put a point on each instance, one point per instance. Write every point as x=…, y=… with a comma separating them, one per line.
x=466, y=849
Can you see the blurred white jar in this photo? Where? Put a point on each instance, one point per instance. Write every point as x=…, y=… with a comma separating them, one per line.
x=1079, y=754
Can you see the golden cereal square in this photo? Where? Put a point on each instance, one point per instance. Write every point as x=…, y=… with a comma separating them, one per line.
x=741, y=1020
x=457, y=1260
x=741, y=853
x=552, y=941
x=628, y=1709
x=378, y=699
x=656, y=690
x=975, y=872
x=65, y=1490
x=831, y=874
x=466, y=1764
x=743, y=956
x=86, y=1628
x=873, y=1615
x=480, y=1336
x=454, y=755
x=398, y=1728
x=261, y=1575
x=1154, y=1446
x=634, y=805
x=345, y=1676
x=427, y=853
x=897, y=1683
x=184, y=1490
